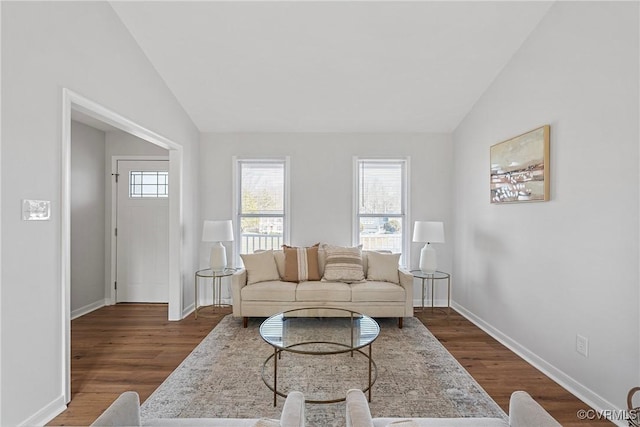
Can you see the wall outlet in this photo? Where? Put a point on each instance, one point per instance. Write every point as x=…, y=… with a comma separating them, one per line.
x=582, y=345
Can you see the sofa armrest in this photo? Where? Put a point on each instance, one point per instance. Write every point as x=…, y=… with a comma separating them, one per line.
x=238, y=281
x=293, y=410
x=358, y=413
x=124, y=411
x=406, y=281
x=526, y=412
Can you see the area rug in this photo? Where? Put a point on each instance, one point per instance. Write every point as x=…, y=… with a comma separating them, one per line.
x=222, y=378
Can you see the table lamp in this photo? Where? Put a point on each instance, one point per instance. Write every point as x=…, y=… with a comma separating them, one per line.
x=429, y=232
x=218, y=232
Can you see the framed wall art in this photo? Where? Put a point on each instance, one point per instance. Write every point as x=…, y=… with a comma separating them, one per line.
x=520, y=168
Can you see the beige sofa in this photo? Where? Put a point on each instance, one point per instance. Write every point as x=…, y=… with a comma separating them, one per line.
x=387, y=290
x=125, y=411
x=523, y=412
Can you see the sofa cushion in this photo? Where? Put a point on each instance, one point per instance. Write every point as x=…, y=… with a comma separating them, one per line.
x=300, y=264
x=383, y=267
x=343, y=264
x=373, y=291
x=269, y=291
x=260, y=266
x=323, y=291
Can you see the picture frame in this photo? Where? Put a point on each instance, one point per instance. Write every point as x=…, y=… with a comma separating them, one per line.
x=520, y=168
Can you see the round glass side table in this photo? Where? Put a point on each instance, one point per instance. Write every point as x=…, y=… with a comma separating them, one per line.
x=437, y=275
x=216, y=285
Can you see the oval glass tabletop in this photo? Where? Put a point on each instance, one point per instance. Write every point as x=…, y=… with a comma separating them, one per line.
x=319, y=330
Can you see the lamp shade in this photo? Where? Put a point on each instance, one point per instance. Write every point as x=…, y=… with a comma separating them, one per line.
x=428, y=231
x=217, y=231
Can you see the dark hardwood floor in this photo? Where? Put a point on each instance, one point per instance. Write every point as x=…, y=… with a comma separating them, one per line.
x=134, y=347
x=500, y=371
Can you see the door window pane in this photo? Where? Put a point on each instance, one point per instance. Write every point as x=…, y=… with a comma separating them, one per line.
x=153, y=184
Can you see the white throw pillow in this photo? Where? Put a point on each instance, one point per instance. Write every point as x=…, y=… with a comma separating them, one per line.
x=383, y=267
x=261, y=267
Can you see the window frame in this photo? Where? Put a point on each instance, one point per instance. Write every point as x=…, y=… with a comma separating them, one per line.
x=237, y=199
x=404, y=204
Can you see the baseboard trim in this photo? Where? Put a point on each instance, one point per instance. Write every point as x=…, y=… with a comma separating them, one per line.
x=46, y=414
x=583, y=393
x=188, y=310
x=417, y=303
x=191, y=308
x=89, y=308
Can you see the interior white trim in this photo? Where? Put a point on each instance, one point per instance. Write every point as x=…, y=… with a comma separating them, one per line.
x=46, y=414
x=439, y=303
x=89, y=308
x=583, y=393
x=638, y=373
x=188, y=310
x=73, y=101
x=0, y=226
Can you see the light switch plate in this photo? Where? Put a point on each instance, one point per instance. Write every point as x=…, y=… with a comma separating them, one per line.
x=36, y=210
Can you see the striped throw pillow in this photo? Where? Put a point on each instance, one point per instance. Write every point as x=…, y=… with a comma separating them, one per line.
x=343, y=264
x=300, y=264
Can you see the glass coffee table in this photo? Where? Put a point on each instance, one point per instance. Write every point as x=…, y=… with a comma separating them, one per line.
x=318, y=332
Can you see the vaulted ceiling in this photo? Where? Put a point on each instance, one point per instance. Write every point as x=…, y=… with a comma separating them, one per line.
x=329, y=66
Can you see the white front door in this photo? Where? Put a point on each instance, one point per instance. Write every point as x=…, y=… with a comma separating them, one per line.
x=142, y=231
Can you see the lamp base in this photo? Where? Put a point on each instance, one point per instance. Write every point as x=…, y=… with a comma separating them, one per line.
x=428, y=260
x=218, y=259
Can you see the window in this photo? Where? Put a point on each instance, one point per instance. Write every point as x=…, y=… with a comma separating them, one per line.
x=381, y=205
x=148, y=184
x=261, y=203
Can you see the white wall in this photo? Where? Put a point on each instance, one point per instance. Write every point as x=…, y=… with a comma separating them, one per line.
x=121, y=143
x=322, y=180
x=538, y=274
x=46, y=46
x=87, y=218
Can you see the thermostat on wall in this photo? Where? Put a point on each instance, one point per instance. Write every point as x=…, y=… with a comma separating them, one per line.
x=36, y=210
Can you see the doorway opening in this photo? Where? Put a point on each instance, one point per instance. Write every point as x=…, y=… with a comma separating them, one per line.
x=75, y=103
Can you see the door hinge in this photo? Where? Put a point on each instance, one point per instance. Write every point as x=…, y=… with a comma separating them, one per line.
x=116, y=232
x=115, y=285
x=116, y=175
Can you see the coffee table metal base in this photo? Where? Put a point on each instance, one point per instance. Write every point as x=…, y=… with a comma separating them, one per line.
x=373, y=370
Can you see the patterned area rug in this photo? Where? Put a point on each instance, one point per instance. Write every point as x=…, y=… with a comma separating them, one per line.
x=222, y=378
